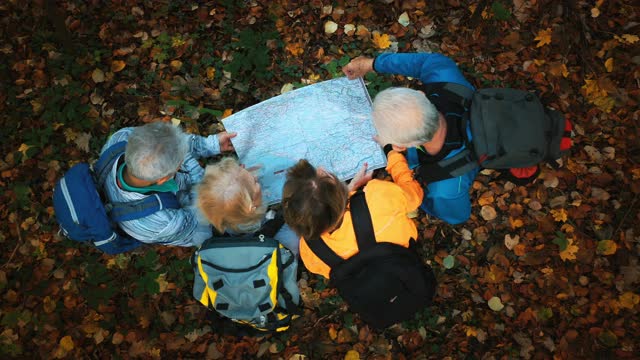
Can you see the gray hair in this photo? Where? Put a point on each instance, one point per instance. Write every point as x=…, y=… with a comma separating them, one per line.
x=155, y=150
x=404, y=117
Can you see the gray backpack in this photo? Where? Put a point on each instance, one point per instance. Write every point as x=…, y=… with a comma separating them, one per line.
x=249, y=279
x=510, y=129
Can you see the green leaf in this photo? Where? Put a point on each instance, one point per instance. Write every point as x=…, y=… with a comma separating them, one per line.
x=147, y=284
x=545, y=313
x=148, y=261
x=608, y=338
x=561, y=241
x=500, y=12
x=448, y=262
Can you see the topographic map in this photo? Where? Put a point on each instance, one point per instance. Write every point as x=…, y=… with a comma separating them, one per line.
x=328, y=123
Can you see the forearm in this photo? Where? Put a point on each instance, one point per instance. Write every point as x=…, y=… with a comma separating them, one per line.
x=203, y=147
x=428, y=68
x=398, y=168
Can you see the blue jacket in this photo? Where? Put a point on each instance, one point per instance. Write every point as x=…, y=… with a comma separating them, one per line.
x=446, y=199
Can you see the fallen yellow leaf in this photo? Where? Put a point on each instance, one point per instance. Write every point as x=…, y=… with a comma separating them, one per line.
x=595, y=12
x=629, y=300
x=559, y=215
x=352, y=355
x=66, y=343
x=211, y=72
x=597, y=95
x=23, y=149
x=570, y=252
x=117, y=65
x=333, y=333
x=49, y=305
x=163, y=284
x=381, y=41
x=520, y=249
x=544, y=37
x=175, y=64
x=295, y=49
x=471, y=331
x=609, y=64
x=631, y=39
x=606, y=247
x=227, y=112
x=516, y=223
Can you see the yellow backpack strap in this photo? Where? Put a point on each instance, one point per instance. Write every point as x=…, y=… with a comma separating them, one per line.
x=208, y=297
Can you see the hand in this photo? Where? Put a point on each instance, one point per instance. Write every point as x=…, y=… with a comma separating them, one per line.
x=224, y=138
x=361, y=178
x=358, y=67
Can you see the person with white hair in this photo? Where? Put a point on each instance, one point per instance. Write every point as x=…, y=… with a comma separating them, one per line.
x=160, y=158
x=406, y=119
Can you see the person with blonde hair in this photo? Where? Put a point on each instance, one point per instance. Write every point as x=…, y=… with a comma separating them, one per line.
x=230, y=198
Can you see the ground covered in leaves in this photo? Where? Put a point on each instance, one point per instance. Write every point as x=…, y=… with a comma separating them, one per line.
x=544, y=271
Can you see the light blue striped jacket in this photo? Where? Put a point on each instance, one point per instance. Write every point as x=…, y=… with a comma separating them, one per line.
x=179, y=227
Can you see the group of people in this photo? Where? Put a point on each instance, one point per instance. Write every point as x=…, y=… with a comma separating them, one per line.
x=161, y=158
x=415, y=127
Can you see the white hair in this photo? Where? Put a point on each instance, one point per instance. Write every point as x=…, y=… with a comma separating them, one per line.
x=404, y=117
x=155, y=150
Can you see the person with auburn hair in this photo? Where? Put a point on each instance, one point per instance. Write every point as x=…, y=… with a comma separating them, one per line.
x=230, y=198
x=315, y=205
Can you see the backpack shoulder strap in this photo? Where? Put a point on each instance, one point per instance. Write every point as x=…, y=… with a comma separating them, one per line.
x=459, y=164
x=103, y=166
x=271, y=227
x=362, y=226
x=456, y=93
x=324, y=252
x=361, y=217
x=124, y=211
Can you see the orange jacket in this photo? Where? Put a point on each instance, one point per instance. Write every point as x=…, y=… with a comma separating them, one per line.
x=389, y=203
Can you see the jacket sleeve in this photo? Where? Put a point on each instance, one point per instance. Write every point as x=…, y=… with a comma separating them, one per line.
x=178, y=227
x=203, y=147
x=399, y=169
x=428, y=68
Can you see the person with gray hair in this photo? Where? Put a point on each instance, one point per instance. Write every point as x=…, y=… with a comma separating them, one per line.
x=159, y=157
x=424, y=126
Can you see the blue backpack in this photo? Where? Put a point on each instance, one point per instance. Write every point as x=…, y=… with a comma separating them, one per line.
x=85, y=216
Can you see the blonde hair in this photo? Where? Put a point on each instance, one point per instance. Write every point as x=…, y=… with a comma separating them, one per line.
x=226, y=197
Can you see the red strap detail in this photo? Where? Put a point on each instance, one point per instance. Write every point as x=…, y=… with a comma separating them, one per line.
x=567, y=125
x=565, y=142
x=523, y=173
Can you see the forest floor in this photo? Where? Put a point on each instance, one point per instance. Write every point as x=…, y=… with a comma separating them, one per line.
x=548, y=270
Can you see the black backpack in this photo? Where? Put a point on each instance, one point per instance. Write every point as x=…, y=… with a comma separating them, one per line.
x=510, y=129
x=384, y=283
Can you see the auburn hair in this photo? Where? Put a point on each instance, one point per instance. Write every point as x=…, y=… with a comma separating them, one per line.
x=312, y=203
